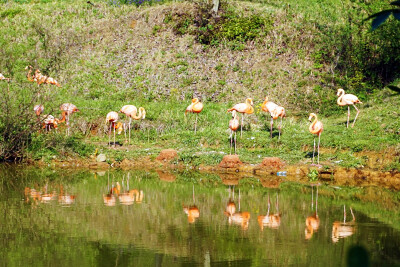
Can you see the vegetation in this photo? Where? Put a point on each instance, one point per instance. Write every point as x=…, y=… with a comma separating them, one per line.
x=159, y=56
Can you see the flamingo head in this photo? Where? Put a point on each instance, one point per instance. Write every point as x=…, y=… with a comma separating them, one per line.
x=250, y=101
x=233, y=113
x=339, y=91
x=311, y=116
x=143, y=112
x=194, y=100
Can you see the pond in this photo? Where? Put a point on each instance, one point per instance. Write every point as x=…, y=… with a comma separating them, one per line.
x=156, y=218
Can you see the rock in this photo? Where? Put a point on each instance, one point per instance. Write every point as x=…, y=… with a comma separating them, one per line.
x=167, y=155
x=101, y=158
x=230, y=161
x=272, y=163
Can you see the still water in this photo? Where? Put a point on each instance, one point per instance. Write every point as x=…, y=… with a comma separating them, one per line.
x=154, y=218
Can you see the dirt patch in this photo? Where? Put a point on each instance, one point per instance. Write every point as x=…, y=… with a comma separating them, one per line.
x=167, y=155
x=230, y=161
x=270, y=164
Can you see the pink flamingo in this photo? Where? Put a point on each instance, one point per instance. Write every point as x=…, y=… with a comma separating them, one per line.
x=275, y=111
x=68, y=109
x=246, y=107
x=131, y=112
x=316, y=128
x=112, y=118
x=195, y=107
x=347, y=100
x=233, y=125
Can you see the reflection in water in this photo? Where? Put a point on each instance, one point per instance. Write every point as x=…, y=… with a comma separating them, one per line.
x=166, y=176
x=239, y=218
x=191, y=211
x=37, y=196
x=343, y=229
x=64, y=198
x=312, y=222
x=126, y=197
x=150, y=234
x=270, y=220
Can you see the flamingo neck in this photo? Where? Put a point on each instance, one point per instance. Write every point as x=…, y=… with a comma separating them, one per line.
x=63, y=115
x=340, y=98
x=138, y=116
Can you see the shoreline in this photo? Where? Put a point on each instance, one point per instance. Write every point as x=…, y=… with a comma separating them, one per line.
x=231, y=170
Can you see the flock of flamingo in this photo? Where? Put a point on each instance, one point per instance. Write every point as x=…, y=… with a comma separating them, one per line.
x=131, y=112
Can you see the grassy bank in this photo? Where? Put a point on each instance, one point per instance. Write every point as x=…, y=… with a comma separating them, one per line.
x=160, y=56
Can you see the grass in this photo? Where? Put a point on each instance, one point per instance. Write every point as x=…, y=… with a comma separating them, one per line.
x=106, y=56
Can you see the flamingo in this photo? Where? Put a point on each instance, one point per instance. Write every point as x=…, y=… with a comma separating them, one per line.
x=112, y=118
x=275, y=111
x=312, y=222
x=68, y=109
x=316, y=128
x=50, y=122
x=2, y=78
x=39, y=78
x=343, y=229
x=195, y=107
x=347, y=100
x=233, y=125
x=243, y=108
x=38, y=109
x=130, y=111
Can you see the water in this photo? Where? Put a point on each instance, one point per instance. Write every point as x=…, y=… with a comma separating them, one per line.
x=76, y=218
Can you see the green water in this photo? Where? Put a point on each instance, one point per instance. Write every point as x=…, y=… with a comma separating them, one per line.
x=82, y=224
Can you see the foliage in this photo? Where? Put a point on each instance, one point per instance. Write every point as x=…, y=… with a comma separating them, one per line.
x=313, y=175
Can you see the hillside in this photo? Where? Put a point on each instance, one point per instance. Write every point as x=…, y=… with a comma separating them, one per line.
x=106, y=56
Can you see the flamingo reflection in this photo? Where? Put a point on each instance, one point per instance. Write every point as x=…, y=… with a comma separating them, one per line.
x=270, y=220
x=128, y=197
x=110, y=198
x=312, y=222
x=64, y=198
x=343, y=229
x=192, y=211
x=238, y=218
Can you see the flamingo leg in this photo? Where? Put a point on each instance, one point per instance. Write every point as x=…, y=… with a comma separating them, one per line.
x=272, y=123
x=68, y=123
x=319, y=139
x=348, y=116
x=195, y=124
x=280, y=127
x=125, y=133
x=241, y=126
x=129, y=125
x=114, y=135
x=230, y=151
x=356, y=115
x=313, y=152
x=109, y=136
x=235, y=142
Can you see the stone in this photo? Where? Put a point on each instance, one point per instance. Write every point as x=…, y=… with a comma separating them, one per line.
x=230, y=161
x=101, y=158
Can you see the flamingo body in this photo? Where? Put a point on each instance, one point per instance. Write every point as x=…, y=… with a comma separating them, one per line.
x=195, y=107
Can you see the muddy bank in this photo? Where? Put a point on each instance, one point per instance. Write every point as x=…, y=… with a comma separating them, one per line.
x=231, y=169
